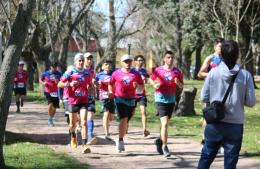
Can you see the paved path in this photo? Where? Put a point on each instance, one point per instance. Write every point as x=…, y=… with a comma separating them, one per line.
x=140, y=152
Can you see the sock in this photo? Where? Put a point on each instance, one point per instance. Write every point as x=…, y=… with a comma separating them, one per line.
x=73, y=134
x=121, y=139
x=90, y=128
x=84, y=141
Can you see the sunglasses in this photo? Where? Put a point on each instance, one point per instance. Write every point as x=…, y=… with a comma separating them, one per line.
x=140, y=60
x=81, y=60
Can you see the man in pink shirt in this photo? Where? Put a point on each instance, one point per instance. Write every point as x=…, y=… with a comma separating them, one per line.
x=164, y=79
x=77, y=80
x=124, y=82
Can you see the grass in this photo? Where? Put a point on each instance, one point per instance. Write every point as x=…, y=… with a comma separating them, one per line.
x=190, y=126
x=22, y=153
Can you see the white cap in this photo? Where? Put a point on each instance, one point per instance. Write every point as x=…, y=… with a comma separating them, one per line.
x=86, y=55
x=78, y=56
x=21, y=62
x=126, y=57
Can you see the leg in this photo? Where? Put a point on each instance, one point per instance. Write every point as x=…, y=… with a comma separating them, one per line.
x=212, y=143
x=51, y=112
x=73, y=117
x=83, y=117
x=90, y=123
x=144, y=120
x=164, y=129
x=232, y=145
x=106, y=122
x=22, y=99
x=17, y=99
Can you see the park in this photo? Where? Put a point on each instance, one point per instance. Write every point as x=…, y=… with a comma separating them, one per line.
x=45, y=34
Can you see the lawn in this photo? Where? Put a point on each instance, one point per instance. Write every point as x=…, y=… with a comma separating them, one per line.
x=22, y=153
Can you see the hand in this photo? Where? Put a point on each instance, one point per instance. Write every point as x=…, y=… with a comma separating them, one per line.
x=15, y=79
x=135, y=84
x=110, y=95
x=177, y=81
x=156, y=85
x=74, y=83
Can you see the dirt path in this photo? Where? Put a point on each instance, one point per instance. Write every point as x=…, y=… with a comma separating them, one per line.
x=140, y=152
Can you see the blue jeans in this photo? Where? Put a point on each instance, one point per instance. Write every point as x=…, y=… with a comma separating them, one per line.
x=221, y=134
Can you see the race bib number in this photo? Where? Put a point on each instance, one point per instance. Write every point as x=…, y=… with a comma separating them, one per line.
x=105, y=94
x=138, y=91
x=79, y=93
x=20, y=85
x=53, y=94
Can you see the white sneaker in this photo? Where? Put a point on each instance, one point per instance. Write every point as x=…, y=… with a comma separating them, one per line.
x=120, y=146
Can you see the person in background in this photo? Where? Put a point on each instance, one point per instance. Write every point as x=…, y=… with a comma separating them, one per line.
x=107, y=103
x=228, y=132
x=140, y=94
x=49, y=79
x=165, y=79
x=210, y=62
x=125, y=81
x=20, y=82
x=88, y=64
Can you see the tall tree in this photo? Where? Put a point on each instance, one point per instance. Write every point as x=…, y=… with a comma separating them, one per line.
x=12, y=54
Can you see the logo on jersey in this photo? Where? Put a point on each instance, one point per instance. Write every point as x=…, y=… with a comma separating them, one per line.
x=20, y=76
x=81, y=79
x=168, y=76
x=52, y=77
x=126, y=80
x=106, y=78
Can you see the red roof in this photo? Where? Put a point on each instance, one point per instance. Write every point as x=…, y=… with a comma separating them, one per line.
x=77, y=47
x=74, y=47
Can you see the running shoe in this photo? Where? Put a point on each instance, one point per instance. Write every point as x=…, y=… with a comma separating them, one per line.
x=166, y=151
x=146, y=133
x=120, y=146
x=92, y=141
x=158, y=143
x=50, y=122
x=108, y=137
x=18, y=111
x=86, y=149
x=73, y=142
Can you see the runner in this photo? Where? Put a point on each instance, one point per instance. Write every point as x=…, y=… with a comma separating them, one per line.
x=125, y=81
x=140, y=94
x=210, y=62
x=88, y=64
x=20, y=82
x=108, y=107
x=164, y=79
x=77, y=80
x=49, y=79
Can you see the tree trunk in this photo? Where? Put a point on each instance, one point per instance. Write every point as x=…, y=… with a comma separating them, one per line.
x=8, y=69
x=64, y=53
x=111, y=51
x=187, y=52
x=197, y=61
x=28, y=58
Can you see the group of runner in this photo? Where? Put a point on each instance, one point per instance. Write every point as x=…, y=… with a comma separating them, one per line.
x=119, y=90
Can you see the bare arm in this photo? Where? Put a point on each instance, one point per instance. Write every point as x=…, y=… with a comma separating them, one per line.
x=203, y=72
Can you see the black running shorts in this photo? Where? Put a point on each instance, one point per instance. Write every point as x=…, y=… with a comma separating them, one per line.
x=164, y=109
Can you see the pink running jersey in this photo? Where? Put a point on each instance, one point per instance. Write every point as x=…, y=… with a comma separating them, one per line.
x=123, y=82
x=20, y=79
x=167, y=89
x=77, y=94
x=51, y=80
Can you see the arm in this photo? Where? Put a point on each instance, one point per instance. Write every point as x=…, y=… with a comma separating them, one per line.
x=203, y=72
x=250, y=99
